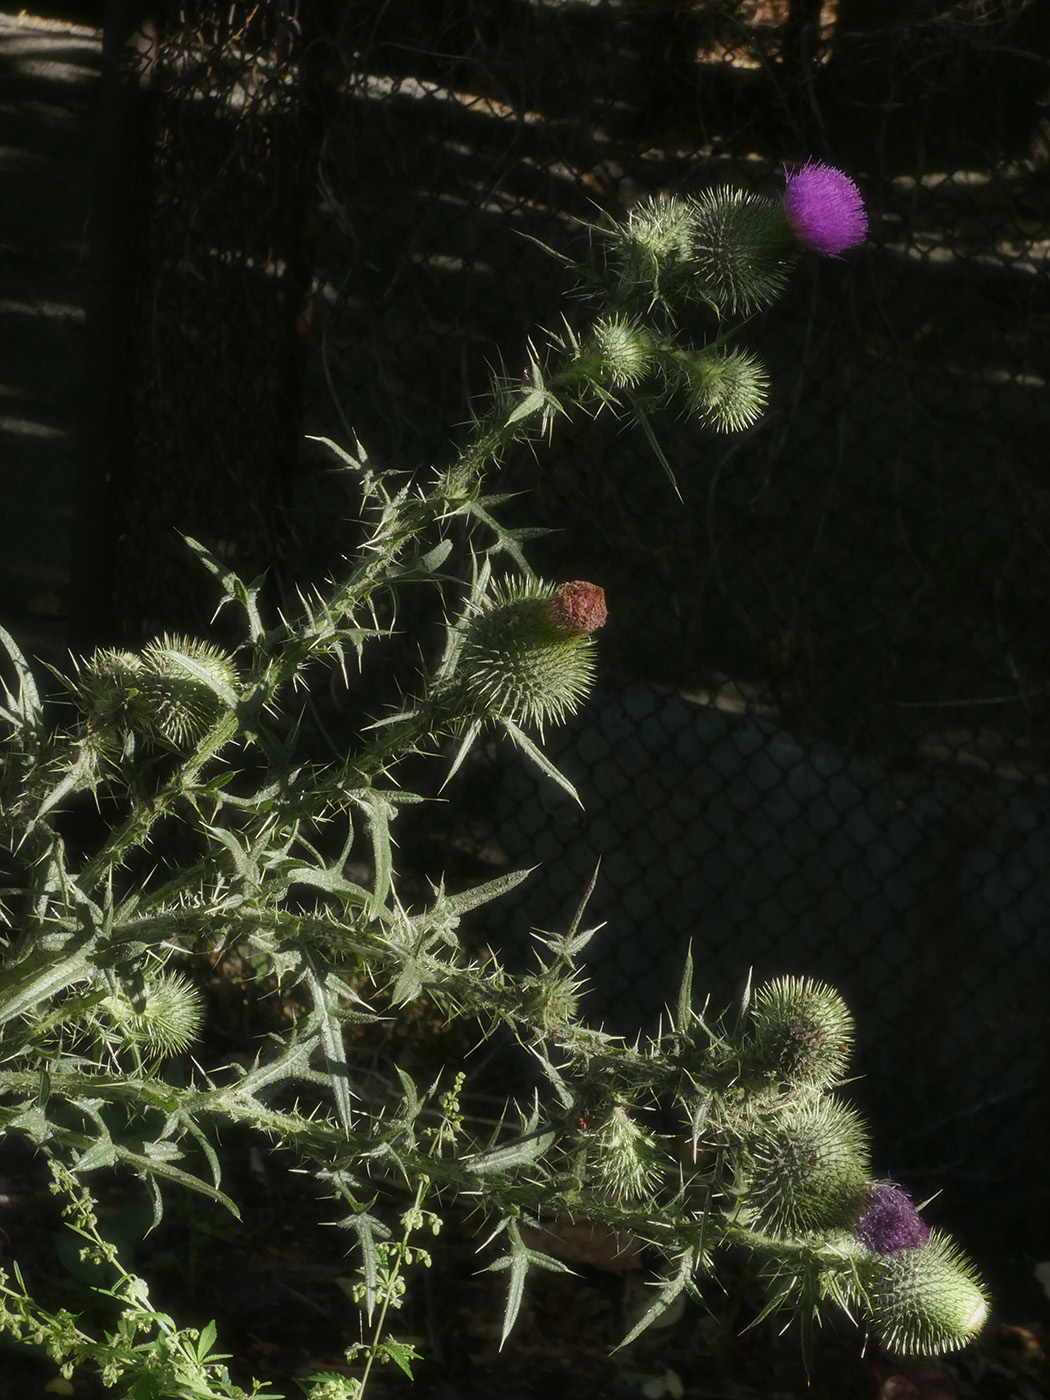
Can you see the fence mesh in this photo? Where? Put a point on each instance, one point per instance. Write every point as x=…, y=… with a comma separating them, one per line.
x=820, y=740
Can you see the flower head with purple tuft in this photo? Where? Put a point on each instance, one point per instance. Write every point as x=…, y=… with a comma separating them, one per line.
x=889, y=1221
x=825, y=208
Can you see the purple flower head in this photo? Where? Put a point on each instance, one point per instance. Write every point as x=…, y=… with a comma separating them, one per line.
x=825, y=208
x=889, y=1221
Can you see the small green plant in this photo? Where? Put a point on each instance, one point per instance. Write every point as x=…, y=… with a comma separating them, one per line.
x=145, y=1353
x=186, y=739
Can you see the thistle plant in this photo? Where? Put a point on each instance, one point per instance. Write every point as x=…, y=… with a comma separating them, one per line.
x=216, y=828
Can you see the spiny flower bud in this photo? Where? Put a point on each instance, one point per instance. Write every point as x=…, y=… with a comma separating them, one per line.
x=889, y=1221
x=167, y=1019
x=800, y=1034
x=167, y=695
x=627, y=1161
x=809, y=1169
x=825, y=208
x=182, y=681
x=528, y=654
x=651, y=252
x=553, y=1001
x=742, y=250
x=924, y=1300
x=624, y=352
x=727, y=389
x=109, y=691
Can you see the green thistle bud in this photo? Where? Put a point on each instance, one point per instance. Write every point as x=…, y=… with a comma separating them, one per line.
x=727, y=389
x=553, y=1002
x=800, y=1034
x=924, y=1300
x=169, y=694
x=183, y=680
x=166, y=1018
x=742, y=248
x=528, y=654
x=809, y=1169
x=652, y=251
x=109, y=692
x=623, y=352
x=626, y=1160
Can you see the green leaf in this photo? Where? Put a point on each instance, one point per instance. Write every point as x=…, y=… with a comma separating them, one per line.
x=519, y=1269
x=147, y=1166
x=331, y=1035
x=25, y=709
x=43, y=976
x=244, y=860
x=379, y=808
x=519, y=1153
x=293, y=1062
x=533, y=402
x=233, y=586
x=434, y=558
x=103, y=1153
x=539, y=758
x=408, y=985
x=647, y=428
x=518, y=1263
x=34, y=1123
x=330, y=881
x=162, y=1151
x=358, y=464
x=187, y=1122
x=401, y=1353
x=260, y=801
x=83, y=774
x=411, y=1103
x=479, y=895
x=671, y=1289
x=467, y=742
x=684, y=1018
x=368, y=1229
x=566, y=1095
x=507, y=539
x=574, y=942
x=377, y=824
x=206, y=1340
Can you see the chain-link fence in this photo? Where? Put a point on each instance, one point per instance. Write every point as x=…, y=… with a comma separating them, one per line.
x=820, y=741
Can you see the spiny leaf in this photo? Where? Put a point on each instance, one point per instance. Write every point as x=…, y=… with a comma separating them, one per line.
x=25, y=708
x=518, y=1262
x=672, y=1288
x=43, y=977
x=233, y=586
x=368, y=1229
x=539, y=758
x=331, y=1035
x=145, y=1165
x=479, y=895
x=684, y=1018
x=522, y=1152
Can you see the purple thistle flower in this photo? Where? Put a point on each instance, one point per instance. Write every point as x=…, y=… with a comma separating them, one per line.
x=889, y=1221
x=825, y=208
